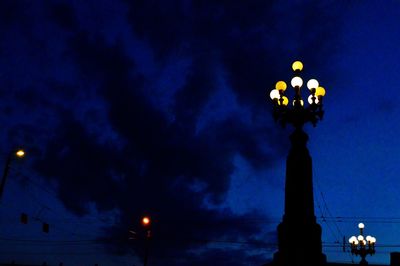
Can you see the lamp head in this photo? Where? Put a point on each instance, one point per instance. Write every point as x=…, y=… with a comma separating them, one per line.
x=320, y=91
x=296, y=82
x=297, y=66
x=284, y=102
x=274, y=95
x=352, y=239
x=281, y=86
x=20, y=153
x=312, y=84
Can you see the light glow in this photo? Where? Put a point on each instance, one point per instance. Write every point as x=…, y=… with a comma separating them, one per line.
x=296, y=82
x=20, y=153
x=297, y=65
x=361, y=225
x=310, y=100
x=145, y=221
x=312, y=84
x=320, y=91
x=274, y=94
x=285, y=101
x=280, y=86
x=301, y=102
x=352, y=239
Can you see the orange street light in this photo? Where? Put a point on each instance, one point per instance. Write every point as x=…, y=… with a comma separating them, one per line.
x=20, y=153
x=17, y=153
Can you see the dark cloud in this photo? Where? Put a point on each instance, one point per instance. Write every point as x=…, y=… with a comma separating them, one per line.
x=174, y=162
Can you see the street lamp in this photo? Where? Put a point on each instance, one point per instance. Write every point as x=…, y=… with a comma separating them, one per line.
x=298, y=114
x=362, y=246
x=299, y=221
x=18, y=153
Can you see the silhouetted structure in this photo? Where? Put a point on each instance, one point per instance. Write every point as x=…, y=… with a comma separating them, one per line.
x=299, y=222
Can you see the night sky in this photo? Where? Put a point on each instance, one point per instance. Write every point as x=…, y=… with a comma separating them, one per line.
x=161, y=108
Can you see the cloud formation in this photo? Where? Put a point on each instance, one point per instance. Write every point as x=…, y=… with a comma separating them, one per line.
x=149, y=103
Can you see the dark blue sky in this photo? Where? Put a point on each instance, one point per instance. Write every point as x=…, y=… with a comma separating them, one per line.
x=128, y=108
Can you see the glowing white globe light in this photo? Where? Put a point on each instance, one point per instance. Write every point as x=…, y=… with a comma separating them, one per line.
x=274, y=94
x=352, y=239
x=361, y=225
x=360, y=238
x=312, y=84
x=296, y=82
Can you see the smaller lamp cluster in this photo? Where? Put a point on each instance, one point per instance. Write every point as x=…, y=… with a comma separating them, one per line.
x=361, y=245
x=316, y=92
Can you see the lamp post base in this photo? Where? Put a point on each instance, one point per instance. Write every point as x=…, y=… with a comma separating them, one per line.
x=299, y=244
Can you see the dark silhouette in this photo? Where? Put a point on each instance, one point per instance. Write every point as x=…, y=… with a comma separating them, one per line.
x=299, y=222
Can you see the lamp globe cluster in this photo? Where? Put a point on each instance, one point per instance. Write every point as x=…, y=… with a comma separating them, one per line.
x=313, y=112
x=362, y=246
x=316, y=92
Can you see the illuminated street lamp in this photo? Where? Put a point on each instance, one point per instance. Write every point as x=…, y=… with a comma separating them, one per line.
x=361, y=246
x=299, y=221
x=298, y=114
x=19, y=153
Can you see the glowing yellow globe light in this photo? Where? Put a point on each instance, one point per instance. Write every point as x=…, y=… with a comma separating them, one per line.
x=285, y=101
x=360, y=238
x=20, y=153
x=373, y=240
x=297, y=66
x=310, y=100
x=280, y=86
x=296, y=82
x=274, y=95
x=320, y=91
x=312, y=84
x=368, y=238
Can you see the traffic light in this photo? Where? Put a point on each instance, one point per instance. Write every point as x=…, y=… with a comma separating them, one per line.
x=24, y=218
x=146, y=221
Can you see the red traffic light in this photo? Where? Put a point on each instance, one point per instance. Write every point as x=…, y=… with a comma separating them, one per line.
x=146, y=221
